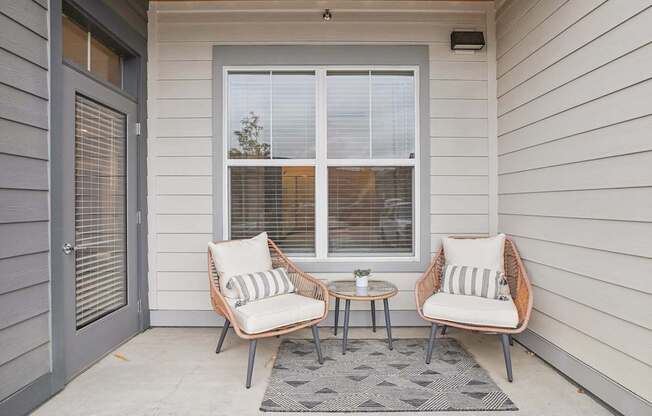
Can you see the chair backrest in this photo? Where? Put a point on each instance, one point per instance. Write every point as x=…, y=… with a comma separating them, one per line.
x=516, y=275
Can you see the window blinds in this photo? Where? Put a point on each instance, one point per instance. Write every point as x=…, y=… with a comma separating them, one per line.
x=100, y=221
x=371, y=114
x=348, y=115
x=279, y=200
x=271, y=115
x=370, y=210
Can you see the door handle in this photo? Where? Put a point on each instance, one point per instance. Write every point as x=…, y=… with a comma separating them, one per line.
x=67, y=248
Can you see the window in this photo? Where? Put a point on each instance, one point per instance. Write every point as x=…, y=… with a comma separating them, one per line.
x=323, y=159
x=86, y=51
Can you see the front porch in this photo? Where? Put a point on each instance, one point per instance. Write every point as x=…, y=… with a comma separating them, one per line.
x=174, y=371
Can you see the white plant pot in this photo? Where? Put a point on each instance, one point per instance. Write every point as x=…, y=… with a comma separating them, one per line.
x=361, y=291
x=362, y=281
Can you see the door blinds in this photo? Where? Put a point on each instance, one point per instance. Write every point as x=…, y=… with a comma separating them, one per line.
x=100, y=209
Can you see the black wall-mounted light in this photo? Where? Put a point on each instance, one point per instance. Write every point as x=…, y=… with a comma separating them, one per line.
x=467, y=41
x=327, y=16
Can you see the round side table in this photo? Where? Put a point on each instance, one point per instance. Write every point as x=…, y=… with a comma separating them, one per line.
x=347, y=290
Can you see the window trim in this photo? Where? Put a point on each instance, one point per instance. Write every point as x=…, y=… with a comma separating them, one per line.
x=338, y=57
x=321, y=162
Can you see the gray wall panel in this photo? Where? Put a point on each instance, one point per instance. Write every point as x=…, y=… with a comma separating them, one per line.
x=22, y=140
x=23, y=173
x=23, y=304
x=23, y=75
x=23, y=370
x=23, y=42
x=23, y=107
x=24, y=336
x=28, y=13
x=20, y=205
x=23, y=271
x=23, y=238
x=24, y=210
x=575, y=185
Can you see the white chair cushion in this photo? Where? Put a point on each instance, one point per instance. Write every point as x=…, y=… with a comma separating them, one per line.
x=485, y=253
x=236, y=257
x=471, y=310
x=270, y=313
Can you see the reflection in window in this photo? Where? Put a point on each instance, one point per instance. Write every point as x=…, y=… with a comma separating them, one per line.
x=275, y=178
x=271, y=115
x=348, y=115
x=279, y=200
x=370, y=210
x=371, y=114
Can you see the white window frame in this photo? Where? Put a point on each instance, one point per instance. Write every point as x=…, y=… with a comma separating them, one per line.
x=321, y=162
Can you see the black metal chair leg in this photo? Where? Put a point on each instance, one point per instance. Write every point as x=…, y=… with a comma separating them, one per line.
x=345, y=335
x=337, y=314
x=373, y=315
x=225, y=329
x=388, y=324
x=504, y=339
x=431, y=342
x=511, y=340
x=315, y=337
x=443, y=330
x=250, y=364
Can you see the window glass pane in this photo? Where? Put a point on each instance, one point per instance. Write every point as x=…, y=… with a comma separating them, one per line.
x=105, y=63
x=75, y=43
x=348, y=115
x=279, y=200
x=100, y=211
x=370, y=211
x=293, y=115
x=392, y=115
x=249, y=115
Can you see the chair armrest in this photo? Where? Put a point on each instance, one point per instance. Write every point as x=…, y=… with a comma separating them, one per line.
x=304, y=284
x=217, y=299
x=429, y=282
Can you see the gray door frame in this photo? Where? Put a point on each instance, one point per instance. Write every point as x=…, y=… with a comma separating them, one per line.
x=103, y=17
x=84, y=346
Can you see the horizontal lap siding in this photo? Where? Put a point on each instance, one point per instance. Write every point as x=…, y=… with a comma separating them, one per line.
x=180, y=110
x=575, y=175
x=24, y=196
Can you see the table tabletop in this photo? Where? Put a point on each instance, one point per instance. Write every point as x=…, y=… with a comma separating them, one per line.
x=377, y=290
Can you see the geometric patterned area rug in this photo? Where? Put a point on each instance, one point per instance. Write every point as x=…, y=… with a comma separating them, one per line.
x=371, y=378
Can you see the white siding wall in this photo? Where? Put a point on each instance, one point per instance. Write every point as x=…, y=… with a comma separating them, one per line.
x=575, y=174
x=180, y=120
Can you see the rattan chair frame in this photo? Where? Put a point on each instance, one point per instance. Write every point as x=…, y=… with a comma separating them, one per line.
x=305, y=285
x=519, y=284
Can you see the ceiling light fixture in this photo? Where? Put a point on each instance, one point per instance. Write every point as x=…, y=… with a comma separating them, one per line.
x=327, y=16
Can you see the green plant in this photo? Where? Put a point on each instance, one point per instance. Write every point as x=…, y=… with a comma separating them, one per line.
x=358, y=273
x=249, y=137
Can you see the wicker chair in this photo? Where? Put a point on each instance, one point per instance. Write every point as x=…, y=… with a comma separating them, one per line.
x=305, y=285
x=520, y=288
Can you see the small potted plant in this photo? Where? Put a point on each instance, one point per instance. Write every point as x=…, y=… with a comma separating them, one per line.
x=362, y=277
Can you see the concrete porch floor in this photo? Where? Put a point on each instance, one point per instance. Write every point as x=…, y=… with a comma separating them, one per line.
x=175, y=371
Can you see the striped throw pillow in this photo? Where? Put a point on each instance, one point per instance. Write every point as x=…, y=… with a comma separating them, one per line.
x=474, y=281
x=260, y=285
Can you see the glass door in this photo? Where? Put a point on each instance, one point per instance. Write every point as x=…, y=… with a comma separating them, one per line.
x=98, y=186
